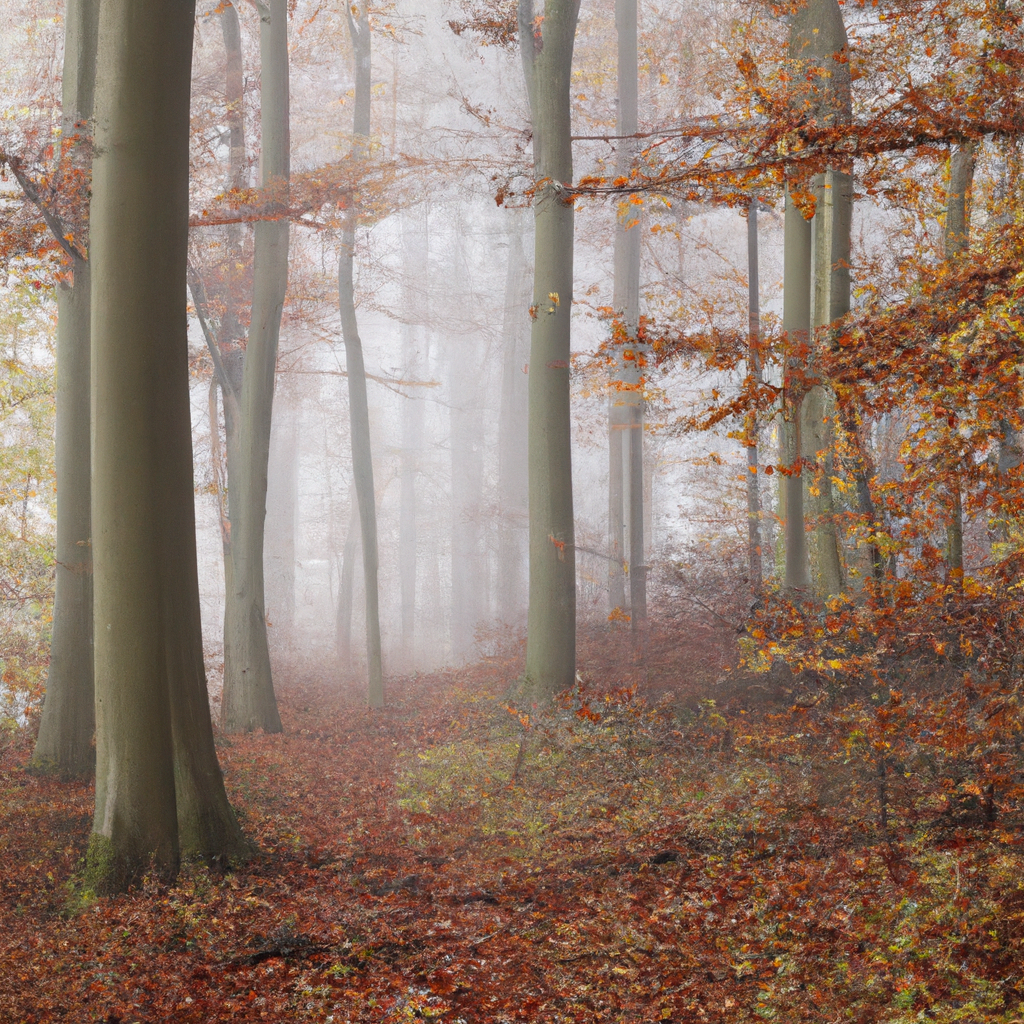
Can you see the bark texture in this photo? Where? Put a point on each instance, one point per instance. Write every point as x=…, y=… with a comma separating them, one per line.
x=158, y=788
x=547, y=46
x=64, y=744
x=249, y=702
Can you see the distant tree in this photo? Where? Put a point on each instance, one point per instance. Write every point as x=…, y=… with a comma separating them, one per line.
x=66, y=728
x=956, y=237
x=249, y=701
x=626, y=413
x=362, y=460
x=159, y=790
x=750, y=430
x=546, y=46
x=513, y=500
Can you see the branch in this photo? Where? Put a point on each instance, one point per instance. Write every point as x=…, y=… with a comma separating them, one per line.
x=195, y=285
x=53, y=221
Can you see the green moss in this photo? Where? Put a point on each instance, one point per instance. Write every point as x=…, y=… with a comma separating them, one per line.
x=99, y=876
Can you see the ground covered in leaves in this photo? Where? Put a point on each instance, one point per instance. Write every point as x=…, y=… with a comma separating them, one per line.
x=627, y=856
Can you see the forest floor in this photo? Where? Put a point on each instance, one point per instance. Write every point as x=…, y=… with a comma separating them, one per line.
x=634, y=854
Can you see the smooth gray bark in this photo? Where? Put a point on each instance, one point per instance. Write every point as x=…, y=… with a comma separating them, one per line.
x=513, y=495
x=249, y=702
x=819, y=44
x=831, y=237
x=546, y=47
x=362, y=459
x=626, y=299
x=282, y=511
x=346, y=587
x=159, y=790
x=415, y=256
x=64, y=744
x=625, y=414
x=469, y=591
x=819, y=71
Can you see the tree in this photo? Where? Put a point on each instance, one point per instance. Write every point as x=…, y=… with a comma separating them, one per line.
x=159, y=791
x=66, y=729
x=626, y=413
x=818, y=64
x=754, y=559
x=513, y=500
x=362, y=459
x=546, y=46
x=956, y=238
x=831, y=301
x=249, y=701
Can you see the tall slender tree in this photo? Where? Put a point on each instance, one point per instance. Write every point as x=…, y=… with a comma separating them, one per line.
x=249, y=701
x=626, y=412
x=754, y=559
x=415, y=246
x=819, y=70
x=956, y=238
x=546, y=46
x=159, y=790
x=796, y=325
x=824, y=48
x=66, y=729
x=362, y=460
x=513, y=501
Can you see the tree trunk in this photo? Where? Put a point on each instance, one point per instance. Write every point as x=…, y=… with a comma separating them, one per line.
x=362, y=460
x=346, y=586
x=416, y=255
x=956, y=239
x=751, y=427
x=513, y=498
x=249, y=702
x=158, y=787
x=282, y=509
x=819, y=71
x=831, y=242
x=468, y=559
x=625, y=414
x=64, y=744
x=796, y=325
x=547, y=47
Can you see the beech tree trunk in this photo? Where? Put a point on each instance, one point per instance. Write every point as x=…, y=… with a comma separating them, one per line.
x=416, y=256
x=159, y=790
x=625, y=414
x=64, y=744
x=249, y=702
x=956, y=239
x=547, y=46
x=282, y=511
x=819, y=71
x=831, y=231
x=513, y=495
x=362, y=460
x=346, y=587
x=796, y=325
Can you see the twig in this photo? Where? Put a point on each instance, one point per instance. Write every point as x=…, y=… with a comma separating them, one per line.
x=53, y=221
